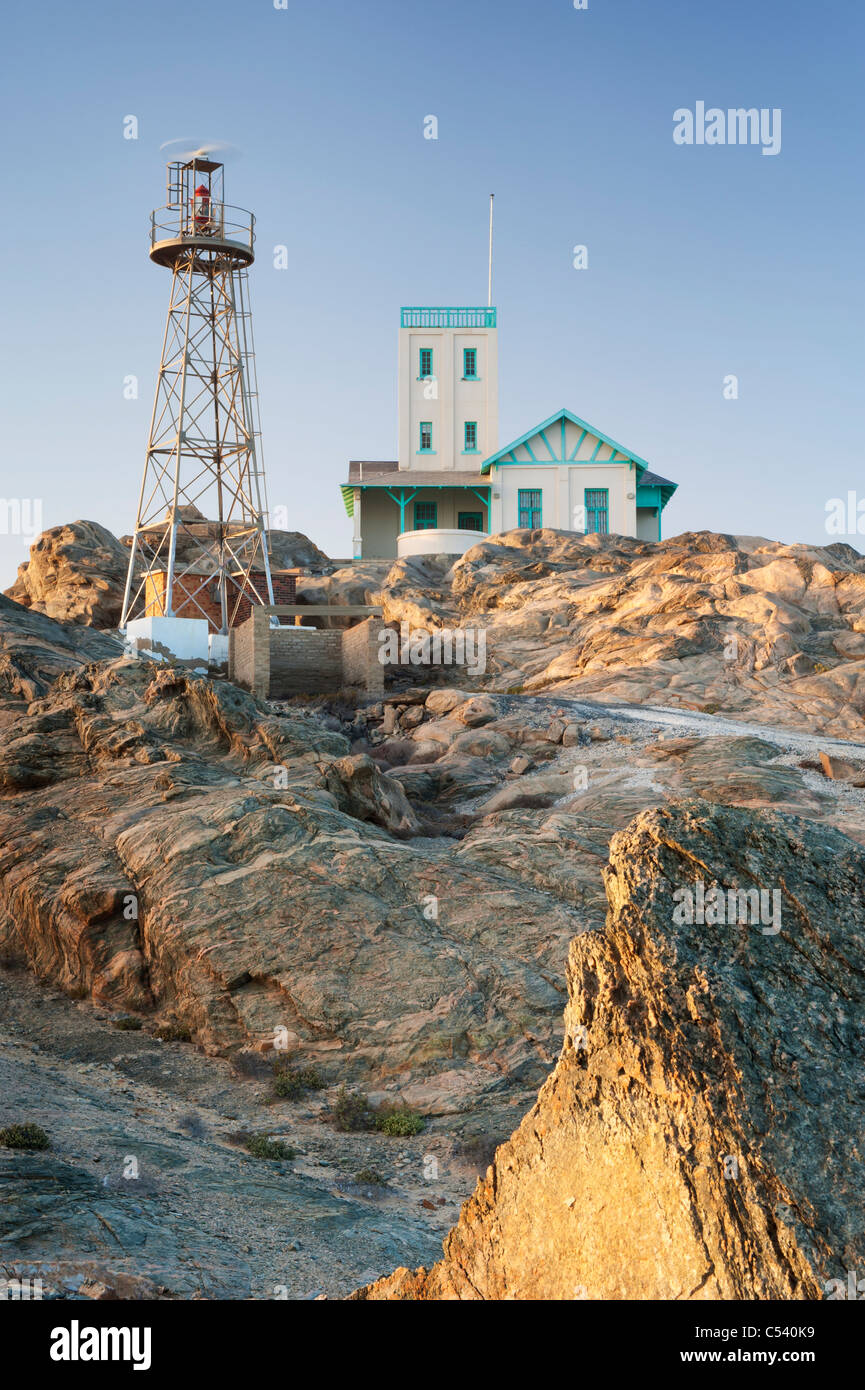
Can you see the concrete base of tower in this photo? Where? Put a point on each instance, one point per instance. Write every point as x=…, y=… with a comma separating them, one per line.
x=185, y=640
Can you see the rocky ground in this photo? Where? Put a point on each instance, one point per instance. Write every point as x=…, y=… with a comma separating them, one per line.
x=391, y=889
x=147, y=1191
x=741, y=624
x=760, y=630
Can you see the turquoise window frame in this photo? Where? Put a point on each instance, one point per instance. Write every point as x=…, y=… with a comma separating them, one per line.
x=421, y=374
x=464, y=517
x=470, y=375
x=530, y=508
x=425, y=516
x=597, y=511
x=473, y=447
x=425, y=448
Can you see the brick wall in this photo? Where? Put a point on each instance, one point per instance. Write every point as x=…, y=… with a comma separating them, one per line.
x=304, y=663
x=207, y=598
x=284, y=591
x=284, y=586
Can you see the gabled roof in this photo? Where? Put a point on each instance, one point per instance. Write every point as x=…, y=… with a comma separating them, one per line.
x=560, y=417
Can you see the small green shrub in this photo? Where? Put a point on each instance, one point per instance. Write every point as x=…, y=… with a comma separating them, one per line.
x=262, y=1146
x=369, y=1177
x=174, y=1032
x=399, y=1120
x=351, y=1112
x=24, y=1136
x=128, y=1024
x=287, y=1085
x=290, y=1083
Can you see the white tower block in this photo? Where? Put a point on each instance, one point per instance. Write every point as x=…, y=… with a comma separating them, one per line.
x=463, y=387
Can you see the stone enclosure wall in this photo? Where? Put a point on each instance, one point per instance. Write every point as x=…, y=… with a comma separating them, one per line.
x=274, y=662
x=360, y=649
x=242, y=654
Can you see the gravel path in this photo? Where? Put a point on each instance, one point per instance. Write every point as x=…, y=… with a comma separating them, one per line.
x=713, y=725
x=682, y=722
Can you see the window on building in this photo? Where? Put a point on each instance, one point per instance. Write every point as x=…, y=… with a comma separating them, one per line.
x=426, y=436
x=529, y=507
x=425, y=368
x=425, y=514
x=597, y=510
x=470, y=363
x=470, y=521
x=471, y=436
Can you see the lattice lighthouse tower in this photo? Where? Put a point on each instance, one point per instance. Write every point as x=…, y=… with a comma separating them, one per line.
x=199, y=548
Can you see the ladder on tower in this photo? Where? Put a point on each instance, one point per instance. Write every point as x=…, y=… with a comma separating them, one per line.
x=250, y=376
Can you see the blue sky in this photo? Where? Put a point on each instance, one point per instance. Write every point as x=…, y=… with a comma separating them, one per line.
x=703, y=261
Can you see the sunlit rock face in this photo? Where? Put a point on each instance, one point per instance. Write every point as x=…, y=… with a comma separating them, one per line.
x=740, y=624
x=752, y=627
x=700, y=1137
x=170, y=845
x=76, y=574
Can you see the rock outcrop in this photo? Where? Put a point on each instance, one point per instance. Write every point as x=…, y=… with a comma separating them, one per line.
x=35, y=650
x=168, y=845
x=393, y=887
x=701, y=1135
x=76, y=574
x=286, y=549
x=764, y=631
x=293, y=550
x=360, y=789
x=760, y=630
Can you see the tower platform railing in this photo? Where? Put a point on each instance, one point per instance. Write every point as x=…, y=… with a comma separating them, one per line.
x=221, y=222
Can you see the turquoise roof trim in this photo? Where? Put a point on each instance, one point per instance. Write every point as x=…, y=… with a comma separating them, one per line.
x=654, y=495
x=563, y=415
x=447, y=316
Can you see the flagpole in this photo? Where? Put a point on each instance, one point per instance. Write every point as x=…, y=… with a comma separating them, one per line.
x=490, y=281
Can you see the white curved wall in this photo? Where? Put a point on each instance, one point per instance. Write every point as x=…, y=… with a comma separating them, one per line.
x=438, y=541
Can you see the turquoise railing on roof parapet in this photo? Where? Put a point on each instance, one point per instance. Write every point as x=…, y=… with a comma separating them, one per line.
x=448, y=318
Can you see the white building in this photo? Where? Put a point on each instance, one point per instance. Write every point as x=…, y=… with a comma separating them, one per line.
x=452, y=481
